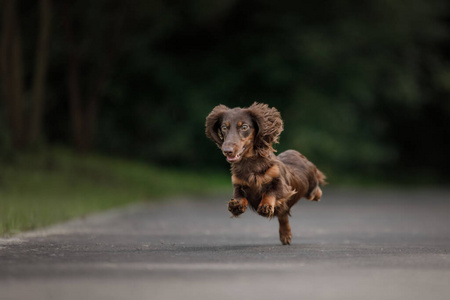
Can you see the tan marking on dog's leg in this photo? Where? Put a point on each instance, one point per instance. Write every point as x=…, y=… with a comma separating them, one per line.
x=273, y=171
x=238, y=181
x=266, y=207
x=318, y=194
x=237, y=206
x=244, y=203
x=315, y=195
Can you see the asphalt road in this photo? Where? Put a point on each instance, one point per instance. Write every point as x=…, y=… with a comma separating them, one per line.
x=351, y=245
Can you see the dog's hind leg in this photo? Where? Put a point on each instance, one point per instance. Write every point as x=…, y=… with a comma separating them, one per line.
x=315, y=194
x=285, y=229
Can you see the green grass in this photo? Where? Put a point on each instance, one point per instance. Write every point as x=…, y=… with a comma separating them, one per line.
x=39, y=190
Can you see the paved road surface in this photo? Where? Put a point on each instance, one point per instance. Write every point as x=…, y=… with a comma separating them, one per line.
x=351, y=245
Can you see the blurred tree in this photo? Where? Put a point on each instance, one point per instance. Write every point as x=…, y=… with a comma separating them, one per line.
x=363, y=86
x=334, y=70
x=24, y=124
x=88, y=69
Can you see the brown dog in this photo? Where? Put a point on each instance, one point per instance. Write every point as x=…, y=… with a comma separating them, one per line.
x=270, y=184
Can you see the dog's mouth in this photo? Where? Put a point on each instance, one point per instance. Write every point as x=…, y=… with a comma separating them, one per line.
x=237, y=157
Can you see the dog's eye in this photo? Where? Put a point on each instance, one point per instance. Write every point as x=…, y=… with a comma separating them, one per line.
x=244, y=127
x=224, y=127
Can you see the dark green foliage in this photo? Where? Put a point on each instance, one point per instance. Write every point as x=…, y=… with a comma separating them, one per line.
x=363, y=86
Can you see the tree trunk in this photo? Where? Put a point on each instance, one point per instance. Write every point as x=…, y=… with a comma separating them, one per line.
x=75, y=105
x=24, y=128
x=84, y=104
x=40, y=72
x=6, y=80
x=11, y=74
x=77, y=115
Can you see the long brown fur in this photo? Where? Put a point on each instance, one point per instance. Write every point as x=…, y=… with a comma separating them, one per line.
x=269, y=184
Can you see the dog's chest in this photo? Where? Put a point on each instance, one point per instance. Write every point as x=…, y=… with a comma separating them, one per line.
x=256, y=179
x=253, y=185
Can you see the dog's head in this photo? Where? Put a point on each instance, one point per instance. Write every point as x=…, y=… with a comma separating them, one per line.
x=244, y=132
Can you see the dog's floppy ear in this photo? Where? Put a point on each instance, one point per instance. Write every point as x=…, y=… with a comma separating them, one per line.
x=269, y=126
x=213, y=121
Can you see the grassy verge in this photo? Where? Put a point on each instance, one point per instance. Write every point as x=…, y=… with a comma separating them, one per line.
x=38, y=190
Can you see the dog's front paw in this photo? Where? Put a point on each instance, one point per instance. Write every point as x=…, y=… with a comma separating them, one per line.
x=237, y=207
x=266, y=210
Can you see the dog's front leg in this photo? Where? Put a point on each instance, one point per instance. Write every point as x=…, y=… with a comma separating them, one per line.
x=266, y=207
x=239, y=203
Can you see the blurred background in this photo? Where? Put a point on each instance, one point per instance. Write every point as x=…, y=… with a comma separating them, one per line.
x=363, y=88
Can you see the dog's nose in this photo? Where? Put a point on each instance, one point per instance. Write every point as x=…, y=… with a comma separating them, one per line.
x=228, y=151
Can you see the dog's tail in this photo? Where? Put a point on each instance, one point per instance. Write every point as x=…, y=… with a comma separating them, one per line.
x=321, y=177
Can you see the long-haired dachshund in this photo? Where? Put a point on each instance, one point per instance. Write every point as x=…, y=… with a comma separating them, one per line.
x=270, y=184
